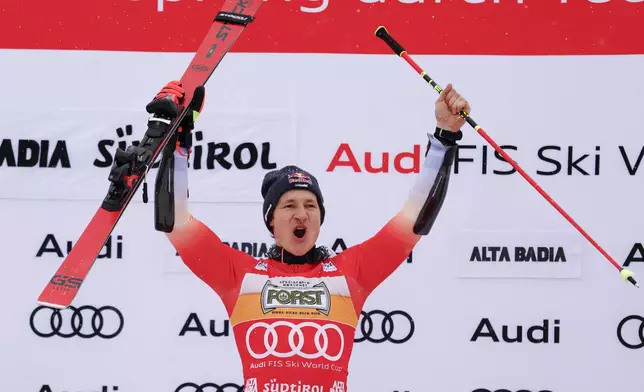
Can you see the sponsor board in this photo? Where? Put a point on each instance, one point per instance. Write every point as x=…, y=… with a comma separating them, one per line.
x=517, y=254
x=68, y=154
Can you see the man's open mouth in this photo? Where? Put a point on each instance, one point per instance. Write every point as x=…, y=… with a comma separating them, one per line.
x=299, y=232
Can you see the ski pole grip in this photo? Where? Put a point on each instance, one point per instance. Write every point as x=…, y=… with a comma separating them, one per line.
x=382, y=33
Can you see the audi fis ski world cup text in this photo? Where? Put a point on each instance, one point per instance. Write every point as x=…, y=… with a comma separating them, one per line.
x=548, y=160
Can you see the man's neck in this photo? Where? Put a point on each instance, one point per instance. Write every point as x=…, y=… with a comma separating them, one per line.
x=314, y=255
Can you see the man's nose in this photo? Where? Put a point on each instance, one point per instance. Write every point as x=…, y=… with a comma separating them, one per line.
x=300, y=214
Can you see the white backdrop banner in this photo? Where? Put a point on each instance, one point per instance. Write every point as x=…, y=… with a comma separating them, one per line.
x=503, y=295
x=67, y=154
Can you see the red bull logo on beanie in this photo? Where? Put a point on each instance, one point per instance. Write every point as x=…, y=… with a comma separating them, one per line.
x=299, y=178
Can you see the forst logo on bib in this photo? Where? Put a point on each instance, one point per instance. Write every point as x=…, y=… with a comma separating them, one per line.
x=296, y=294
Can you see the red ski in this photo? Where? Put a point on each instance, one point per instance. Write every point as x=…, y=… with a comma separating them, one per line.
x=61, y=289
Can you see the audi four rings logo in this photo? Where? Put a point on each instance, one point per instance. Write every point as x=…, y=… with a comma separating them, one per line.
x=209, y=387
x=85, y=322
x=399, y=332
x=631, y=321
x=296, y=340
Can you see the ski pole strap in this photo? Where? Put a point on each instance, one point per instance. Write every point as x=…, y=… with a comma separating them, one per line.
x=232, y=17
x=446, y=137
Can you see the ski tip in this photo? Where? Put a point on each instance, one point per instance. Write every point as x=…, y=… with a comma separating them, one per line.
x=54, y=306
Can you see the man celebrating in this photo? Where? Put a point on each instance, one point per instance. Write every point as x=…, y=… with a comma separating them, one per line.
x=294, y=313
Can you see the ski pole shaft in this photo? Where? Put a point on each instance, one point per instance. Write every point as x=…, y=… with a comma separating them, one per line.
x=382, y=33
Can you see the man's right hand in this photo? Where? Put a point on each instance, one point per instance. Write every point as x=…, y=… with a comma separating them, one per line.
x=188, y=123
x=166, y=104
x=173, y=91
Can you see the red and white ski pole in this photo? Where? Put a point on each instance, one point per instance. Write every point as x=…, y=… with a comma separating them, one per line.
x=381, y=32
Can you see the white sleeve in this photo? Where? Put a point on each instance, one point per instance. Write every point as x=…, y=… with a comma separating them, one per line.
x=181, y=210
x=426, y=178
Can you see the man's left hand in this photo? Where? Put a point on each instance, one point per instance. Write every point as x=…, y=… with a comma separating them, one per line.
x=448, y=107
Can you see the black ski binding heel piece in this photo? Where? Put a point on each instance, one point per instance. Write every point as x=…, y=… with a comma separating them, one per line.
x=164, y=107
x=128, y=168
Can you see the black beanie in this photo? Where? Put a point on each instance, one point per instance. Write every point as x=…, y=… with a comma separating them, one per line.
x=278, y=182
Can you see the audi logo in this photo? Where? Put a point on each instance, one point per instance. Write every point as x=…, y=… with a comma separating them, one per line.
x=620, y=331
x=296, y=339
x=209, y=387
x=399, y=332
x=85, y=322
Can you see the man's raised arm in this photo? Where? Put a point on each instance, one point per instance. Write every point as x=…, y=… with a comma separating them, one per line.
x=372, y=261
